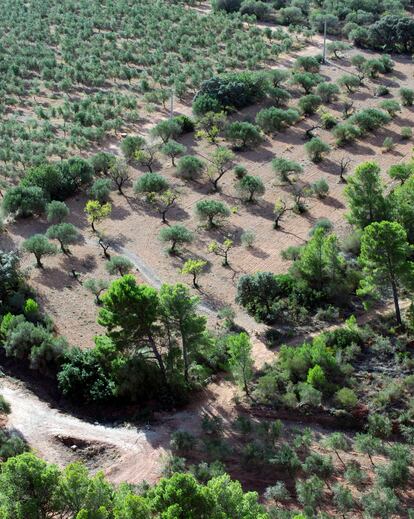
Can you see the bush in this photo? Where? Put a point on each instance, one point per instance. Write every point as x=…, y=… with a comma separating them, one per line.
x=345, y=133
x=350, y=82
x=272, y=120
x=130, y=145
x=101, y=189
x=176, y=234
x=186, y=123
x=248, y=238
x=151, y=183
x=57, y=211
x=24, y=201
x=309, y=104
x=250, y=187
x=370, y=119
x=256, y=8
x=407, y=96
x=119, y=265
x=213, y=212
x=346, y=398
x=243, y=135
x=235, y=89
x=327, y=92
x=285, y=167
x=320, y=188
x=230, y=6
x=406, y=133
x=316, y=149
x=190, y=167
x=4, y=405
x=86, y=377
x=259, y=294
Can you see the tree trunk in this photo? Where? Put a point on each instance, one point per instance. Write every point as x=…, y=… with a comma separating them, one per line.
x=38, y=262
x=158, y=356
x=396, y=302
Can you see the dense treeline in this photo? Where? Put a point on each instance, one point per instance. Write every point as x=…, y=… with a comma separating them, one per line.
x=32, y=489
x=156, y=347
x=374, y=24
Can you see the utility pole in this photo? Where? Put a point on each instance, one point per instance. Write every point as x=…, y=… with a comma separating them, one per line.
x=324, y=43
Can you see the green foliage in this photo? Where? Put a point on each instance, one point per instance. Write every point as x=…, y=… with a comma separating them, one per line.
x=173, y=149
x=309, y=104
x=250, y=187
x=240, y=359
x=150, y=183
x=243, y=135
x=119, y=265
x=272, y=120
x=364, y=193
x=285, y=167
x=57, y=211
x=24, y=201
x=177, y=235
x=236, y=89
x=385, y=256
x=190, y=167
x=40, y=246
x=316, y=149
x=101, y=189
x=65, y=233
x=346, y=398
x=213, y=212
x=407, y=96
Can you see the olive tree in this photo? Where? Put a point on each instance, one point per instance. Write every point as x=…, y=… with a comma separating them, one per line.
x=40, y=246
x=176, y=235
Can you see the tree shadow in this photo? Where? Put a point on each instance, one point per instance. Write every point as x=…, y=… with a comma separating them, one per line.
x=332, y=202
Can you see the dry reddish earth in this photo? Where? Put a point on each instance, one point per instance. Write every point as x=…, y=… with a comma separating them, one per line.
x=135, y=455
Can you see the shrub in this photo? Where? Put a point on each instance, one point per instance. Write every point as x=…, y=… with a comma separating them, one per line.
x=407, y=96
x=65, y=233
x=391, y=106
x=248, y=238
x=243, y=135
x=309, y=104
x=406, y=132
x=130, y=145
x=256, y=8
x=285, y=167
x=327, y=92
x=388, y=144
x=190, y=167
x=101, y=162
x=307, y=63
x=350, y=82
x=346, y=398
x=151, y=183
x=345, y=133
x=316, y=149
x=186, y=123
x=4, y=405
x=119, y=265
x=240, y=171
x=182, y=441
x=229, y=6
x=40, y=246
x=250, y=187
x=176, y=234
x=101, y=189
x=272, y=120
x=57, y=211
x=24, y=201
x=166, y=130
x=370, y=119
x=173, y=149
x=306, y=80
x=320, y=188
x=213, y=212
x=234, y=89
